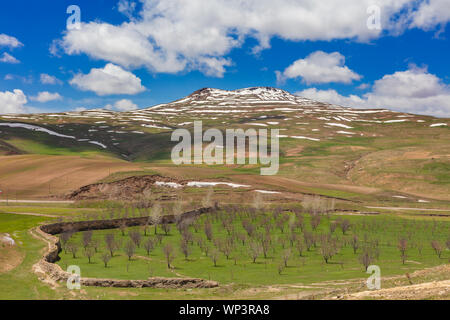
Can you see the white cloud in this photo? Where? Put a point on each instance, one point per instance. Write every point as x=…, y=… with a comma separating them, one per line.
x=413, y=91
x=431, y=13
x=80, y=109
x=126, y=7
x=9, y=41
x=12, y=102
x=319, y=67
x=122, y=105
x=364, y=86
x=333, y=97
x=46, y=97
x=7, y=58
x=170, y=36
x=110, y=80
x=48, y=79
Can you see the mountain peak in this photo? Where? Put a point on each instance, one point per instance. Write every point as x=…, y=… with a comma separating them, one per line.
x=251, y=94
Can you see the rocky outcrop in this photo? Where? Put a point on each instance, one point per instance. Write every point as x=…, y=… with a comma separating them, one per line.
x=128, y=188
x=46, y=267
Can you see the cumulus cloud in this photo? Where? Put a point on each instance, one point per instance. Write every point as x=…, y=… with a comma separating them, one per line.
x=122, y=105
x=319, y=67
x=431, y=13
x=170, y=36
x=333, y=97
x=9, y=41
x=413, y=91
x=110, y=80
x=46, y=96
x=7, y=58
x=12, y=102
x=48, y=79
x=126, y=7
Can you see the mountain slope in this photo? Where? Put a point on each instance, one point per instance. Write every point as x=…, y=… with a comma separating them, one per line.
x=320, y=143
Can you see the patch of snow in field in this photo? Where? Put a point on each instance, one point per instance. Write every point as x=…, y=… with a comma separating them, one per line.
x=142, y=119
x=423, y=201
x=155, y=126
x=267, y=192
x=339, y=125
x=212, y=184
x=257, y=124
x=345, y=132
x=400, y=197
x=305, y=138
x=35, y=128
x=273, y=123
x=438, y=125
x=394, y=121
x=168, y=184
x=98, y=144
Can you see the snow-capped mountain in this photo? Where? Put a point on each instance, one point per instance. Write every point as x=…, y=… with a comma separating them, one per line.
x=216, y=100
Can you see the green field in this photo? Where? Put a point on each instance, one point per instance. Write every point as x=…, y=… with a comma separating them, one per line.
x=239, y=268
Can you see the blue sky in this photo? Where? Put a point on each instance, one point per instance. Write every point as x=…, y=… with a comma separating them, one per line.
x=326, y=53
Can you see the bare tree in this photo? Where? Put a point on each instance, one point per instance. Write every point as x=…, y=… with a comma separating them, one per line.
x=355, y=243
x=315, y=221
x=437, y=247
x=281, y=268
x=366, y=257
x=300, y=222
x=73, y=248
x=208, y=230
x=333, y=226
x=89, y=253
x=149, y=245
x=159, y=238
x=226, y=247
x=214, y=255
x=111, y=243
x=123, y=226
x=156, y=216
x=300, y=247
x=254, y=251
x=64, y=238
x=105, y=258
x=286, y=256
x=266, y=244
x=345, y=226
x=136, y=237
x=185, y=249
x=166, y=227
x=327, y=249
x=242, y=238
x=130, y=249
x=248, y=226
x=309, y=240
x=169, y=254
x=403, y=246
x=95, y=244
